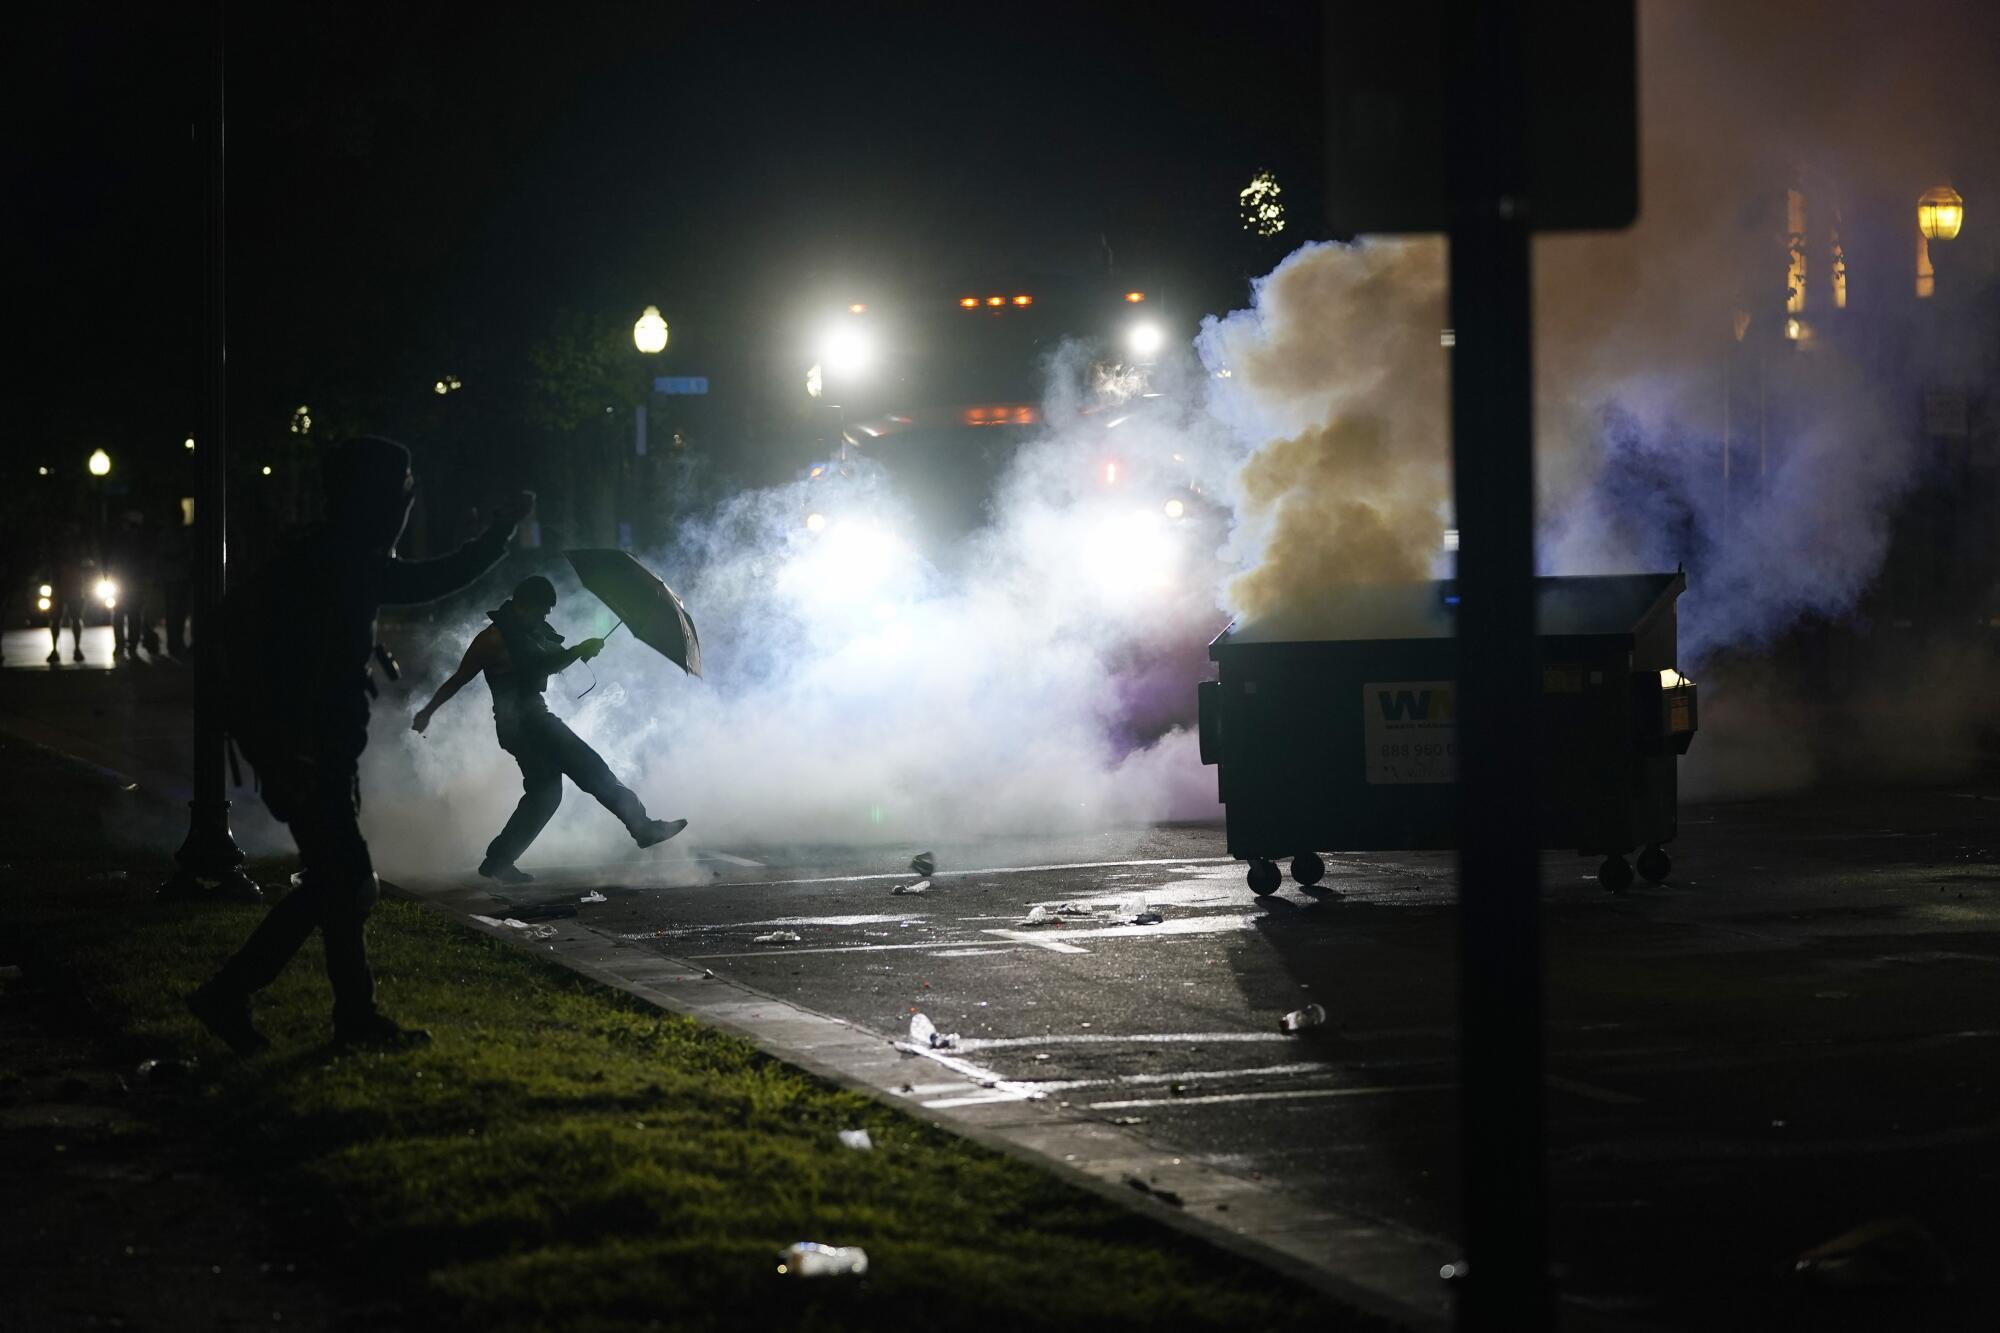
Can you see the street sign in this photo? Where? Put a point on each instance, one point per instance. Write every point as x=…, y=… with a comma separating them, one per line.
x=1385, y=108
x=685, y=384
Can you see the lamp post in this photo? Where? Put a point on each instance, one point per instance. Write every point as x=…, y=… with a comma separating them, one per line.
x=210, y=862
x=649, y=332
x=649, y=335
x=1940, y=213
x=99, y=467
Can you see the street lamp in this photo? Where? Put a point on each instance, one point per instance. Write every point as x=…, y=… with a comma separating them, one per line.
x=1940, y=213
x=100, y=463
x=649, y=332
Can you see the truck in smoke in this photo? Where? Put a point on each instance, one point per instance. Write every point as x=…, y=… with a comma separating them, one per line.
x=955, y=423
x=930, y=400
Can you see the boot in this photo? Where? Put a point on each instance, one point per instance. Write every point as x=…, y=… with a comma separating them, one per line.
x=226, y=1015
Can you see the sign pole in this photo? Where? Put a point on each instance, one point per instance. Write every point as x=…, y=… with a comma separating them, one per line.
x=1492, y=399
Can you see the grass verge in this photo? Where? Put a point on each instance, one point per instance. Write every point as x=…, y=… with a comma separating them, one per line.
x=565, y=1157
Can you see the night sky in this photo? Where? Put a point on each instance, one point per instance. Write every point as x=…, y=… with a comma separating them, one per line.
x=422, y=189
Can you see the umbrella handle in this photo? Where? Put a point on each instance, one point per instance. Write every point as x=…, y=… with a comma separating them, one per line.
x=593, y=674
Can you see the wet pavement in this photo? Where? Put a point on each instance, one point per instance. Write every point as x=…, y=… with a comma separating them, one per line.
x=30, y=648
x=1794, y=1035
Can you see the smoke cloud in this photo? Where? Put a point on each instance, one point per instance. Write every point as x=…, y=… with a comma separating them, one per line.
x=1337, y=373
x=1034, y=676
x=1038, y=675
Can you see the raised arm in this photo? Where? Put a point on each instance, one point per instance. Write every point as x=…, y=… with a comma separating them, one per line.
x=408, y=582
x=481, y=653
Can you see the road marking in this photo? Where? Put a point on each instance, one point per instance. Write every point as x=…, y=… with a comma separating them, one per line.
x=1007, y=1089
x=1595, y=1093
x=970, y=1099
x=725, y=856
x=1134, y=1039
x=969, y=953
x=1050, y=941
x=1186, y=925
x=1297, y=1094
x=1192, y=1076
x=990, y=870
x=858, y=919
x=779, y=950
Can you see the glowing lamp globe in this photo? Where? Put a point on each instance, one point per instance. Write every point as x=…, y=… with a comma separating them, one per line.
x=100, y=464
x=649, y=334
x=1940, y=213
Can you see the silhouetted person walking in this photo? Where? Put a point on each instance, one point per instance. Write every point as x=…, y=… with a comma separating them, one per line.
x=518, y=653
x=128, y=562
x=297, y=641
x=70, y=575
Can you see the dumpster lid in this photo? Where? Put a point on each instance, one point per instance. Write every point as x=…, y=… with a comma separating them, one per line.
x=1565, y=606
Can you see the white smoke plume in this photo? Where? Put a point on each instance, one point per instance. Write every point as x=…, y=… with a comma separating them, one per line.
x=1029, y=679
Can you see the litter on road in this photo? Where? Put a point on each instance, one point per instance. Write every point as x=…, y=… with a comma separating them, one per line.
x=1888, y=1252
x=857, y=1139
x=811, y=1259
x=593, y=897
x=924, y=864
x=921, y=886
x=924, y=1033
x=777, y=937
x=534, y=932
x=1164, y=1196
x=1299, y=1019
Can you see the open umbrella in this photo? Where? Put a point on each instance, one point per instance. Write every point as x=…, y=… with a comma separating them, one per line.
x=637, y=597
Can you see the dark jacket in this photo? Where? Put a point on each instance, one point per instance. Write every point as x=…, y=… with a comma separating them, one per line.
x=301, y=631
x=534, y=653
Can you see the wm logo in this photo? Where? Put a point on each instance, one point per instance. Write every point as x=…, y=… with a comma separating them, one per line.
x=1416, y=705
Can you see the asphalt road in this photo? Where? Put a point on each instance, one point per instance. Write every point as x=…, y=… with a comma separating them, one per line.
x=1795, y=1035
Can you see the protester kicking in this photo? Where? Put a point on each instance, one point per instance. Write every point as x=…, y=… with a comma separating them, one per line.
x=518, y=653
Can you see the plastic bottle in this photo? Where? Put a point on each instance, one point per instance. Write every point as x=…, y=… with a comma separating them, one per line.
x=1309, y=1017
x=811, y=1259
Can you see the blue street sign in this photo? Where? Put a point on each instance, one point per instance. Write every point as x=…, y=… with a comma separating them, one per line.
x=681, y=384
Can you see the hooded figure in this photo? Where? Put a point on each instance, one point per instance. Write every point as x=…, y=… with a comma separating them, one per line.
x=518, y=653
x=299, y=636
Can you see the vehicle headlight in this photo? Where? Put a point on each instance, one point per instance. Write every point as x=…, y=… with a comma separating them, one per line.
x=1129, y=554
x=41, y=603
x=1175, y=509
x=849, y=351
x=45, y=591
x=815, y=522
x=107, y=592
x=1145, y=338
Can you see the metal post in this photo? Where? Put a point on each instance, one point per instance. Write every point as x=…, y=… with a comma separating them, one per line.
x=1728, y=355
x=211, y=864
x=1500, y=1059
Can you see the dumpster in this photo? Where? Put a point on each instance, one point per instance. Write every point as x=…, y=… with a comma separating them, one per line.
x=1349, y=742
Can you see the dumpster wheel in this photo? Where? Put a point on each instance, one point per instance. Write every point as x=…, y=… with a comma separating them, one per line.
x=1264, y=877
x=1308, y=869
x=1654, y=864
x=1614, y=874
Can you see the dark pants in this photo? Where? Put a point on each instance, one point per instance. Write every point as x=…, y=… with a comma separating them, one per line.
x=547, y=750
x=337, y=890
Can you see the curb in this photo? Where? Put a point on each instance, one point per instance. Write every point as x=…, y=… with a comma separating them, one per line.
x=1373, y=1268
